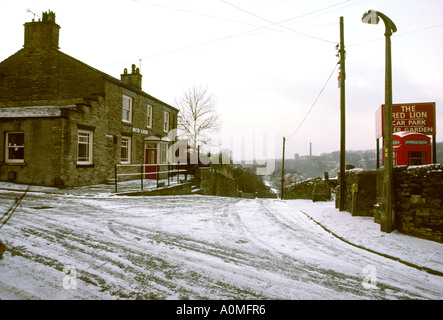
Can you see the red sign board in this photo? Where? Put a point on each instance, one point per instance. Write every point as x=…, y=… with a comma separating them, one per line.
x=411, y=117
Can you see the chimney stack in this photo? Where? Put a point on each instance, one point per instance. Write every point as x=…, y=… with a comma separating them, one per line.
x=42, y=34
x=134, y=78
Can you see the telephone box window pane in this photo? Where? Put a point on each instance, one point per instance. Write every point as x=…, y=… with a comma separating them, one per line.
x=416, y=158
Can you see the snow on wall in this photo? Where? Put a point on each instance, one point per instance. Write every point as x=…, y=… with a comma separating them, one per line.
x=418, y=197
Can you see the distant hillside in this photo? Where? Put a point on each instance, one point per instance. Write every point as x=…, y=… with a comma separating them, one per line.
x=315, y=166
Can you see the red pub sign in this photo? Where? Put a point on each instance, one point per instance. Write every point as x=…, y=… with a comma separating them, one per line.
x=411, y=117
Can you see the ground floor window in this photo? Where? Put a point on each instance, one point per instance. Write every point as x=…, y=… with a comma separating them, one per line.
x=126, y=150
x=15, y=147
x=85, y=143
x=163, y=153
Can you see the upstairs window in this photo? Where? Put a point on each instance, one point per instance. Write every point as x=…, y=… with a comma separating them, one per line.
x=166, y=122
x=15, y=147
x=127, y=109
x=84, y=151
x=149, y=116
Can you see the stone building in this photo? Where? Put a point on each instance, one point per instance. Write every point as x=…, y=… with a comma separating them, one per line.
x=64, y=123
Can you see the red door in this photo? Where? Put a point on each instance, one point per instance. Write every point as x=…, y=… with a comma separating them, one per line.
x=151, y=158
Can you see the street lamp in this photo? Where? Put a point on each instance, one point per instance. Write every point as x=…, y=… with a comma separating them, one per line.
x=387, y=215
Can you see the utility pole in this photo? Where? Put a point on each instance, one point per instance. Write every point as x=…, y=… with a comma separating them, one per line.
x=283, y=170
x=342, y=53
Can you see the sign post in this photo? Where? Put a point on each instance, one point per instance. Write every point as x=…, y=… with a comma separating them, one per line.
x=411, y=117
x=387, y=216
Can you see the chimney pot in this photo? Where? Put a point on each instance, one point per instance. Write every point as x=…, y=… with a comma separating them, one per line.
x=42, y=34
x=134, y=79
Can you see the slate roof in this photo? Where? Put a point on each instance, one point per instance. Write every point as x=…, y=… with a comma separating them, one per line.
x=34, y=111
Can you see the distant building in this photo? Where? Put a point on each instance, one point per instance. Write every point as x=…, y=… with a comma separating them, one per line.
x=64, y=123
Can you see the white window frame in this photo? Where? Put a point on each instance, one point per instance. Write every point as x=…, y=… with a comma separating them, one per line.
x=89, y=143
x=162, y=150
x=149, y=116
x=166, y=121
x=127, y=109
x=126, y=142
x=8, y=146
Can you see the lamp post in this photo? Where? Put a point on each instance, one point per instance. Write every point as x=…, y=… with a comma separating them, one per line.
x=387, y=215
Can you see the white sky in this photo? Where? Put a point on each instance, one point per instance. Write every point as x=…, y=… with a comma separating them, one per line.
x=264, y=76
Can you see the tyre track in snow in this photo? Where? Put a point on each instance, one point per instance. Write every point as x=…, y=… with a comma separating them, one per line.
x=278, y=260
x=294, y=266
x=150, y=261
x=121, y=270
x=239, y=256
x=227, y=222
x=75, y=242
x=236, y=228
x=311, y=271
x=83, y=248
x=337, y=245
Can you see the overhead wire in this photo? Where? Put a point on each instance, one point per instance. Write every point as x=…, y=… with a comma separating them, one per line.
x=232, y=36
x=315, y=102
x=193, y=12
x=277, y=24
x=396, y=35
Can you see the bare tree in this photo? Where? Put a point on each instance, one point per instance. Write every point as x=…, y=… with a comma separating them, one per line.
x=198, y=116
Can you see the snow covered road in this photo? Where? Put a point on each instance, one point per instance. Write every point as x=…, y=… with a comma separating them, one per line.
x=188, y=247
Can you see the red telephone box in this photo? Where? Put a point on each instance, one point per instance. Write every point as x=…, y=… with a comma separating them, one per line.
x=411, y=148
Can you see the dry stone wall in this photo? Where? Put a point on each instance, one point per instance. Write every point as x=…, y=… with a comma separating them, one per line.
x=418, y=198
x=419, y=201
x=313, y=189
x=360, y=194
x=212, y=182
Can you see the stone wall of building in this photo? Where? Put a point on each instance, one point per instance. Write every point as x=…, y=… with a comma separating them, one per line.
x=57, y=138
x=41, y=75
x=43, y=167
x=47, y=76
